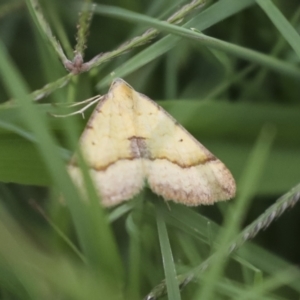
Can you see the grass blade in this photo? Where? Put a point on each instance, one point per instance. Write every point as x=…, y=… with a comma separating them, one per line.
x=90, y=222
x=205, y=40
x=282, y=24
x=167, y=257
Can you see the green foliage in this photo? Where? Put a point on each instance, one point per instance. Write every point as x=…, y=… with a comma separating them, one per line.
x=228, y=71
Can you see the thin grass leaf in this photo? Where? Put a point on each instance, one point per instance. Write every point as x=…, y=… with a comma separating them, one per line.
x=34, y=270
x=225, y=7
x=18, y=130
x=205, y=19
x=274, y=282
x=281, y=205
x=231, y=290
x=227, y=83
x=247, y=188
x=205, y=40
x=286, y=201
x=35, y=263
x=282, y=24
x=59, y=232
x=260, y=77
x=120, y=211
x=58, y=27
x=216, y=262
x=44, y=28
x=167, y=257
x=252, y=275
x=268, y=262
x=133, y=225
x=94, y=224
x=191, y=252
x=145, y=37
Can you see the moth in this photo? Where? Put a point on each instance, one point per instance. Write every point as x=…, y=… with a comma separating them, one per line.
x=130, y=140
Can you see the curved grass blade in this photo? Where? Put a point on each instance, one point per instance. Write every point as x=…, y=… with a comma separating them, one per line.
x=248, y=54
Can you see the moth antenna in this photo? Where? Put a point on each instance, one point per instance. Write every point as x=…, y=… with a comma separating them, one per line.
x=81, y=111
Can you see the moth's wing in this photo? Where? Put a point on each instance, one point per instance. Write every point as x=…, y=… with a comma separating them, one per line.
x=179, y=168
x=129, y=137
x=107, y=148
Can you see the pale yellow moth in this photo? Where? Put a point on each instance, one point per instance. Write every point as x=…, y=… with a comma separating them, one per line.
x=130, y=140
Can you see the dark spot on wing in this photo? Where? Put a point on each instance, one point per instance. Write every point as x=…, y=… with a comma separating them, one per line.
x=139, y=147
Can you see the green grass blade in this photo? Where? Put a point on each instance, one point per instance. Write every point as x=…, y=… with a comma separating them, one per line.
x=246, y=190
x=44, y=28
x=167, y=257
x=282, y=24
x=91, y=223
x=202, y=39
x=274, y=282
x=133, y=223
x=193, y=224
x=30, y=270
x=205, y=19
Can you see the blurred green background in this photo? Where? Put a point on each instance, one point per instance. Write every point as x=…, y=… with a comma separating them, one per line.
x=227, y=97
